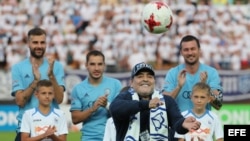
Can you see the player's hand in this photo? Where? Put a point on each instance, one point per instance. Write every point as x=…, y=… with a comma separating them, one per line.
x=203, y=77
x=101, y=101
x=50, y=131
x=182, y=78
x=197, y=138
x=155, y=102
x=35, y=69
x=51, y=66
x=191, y=124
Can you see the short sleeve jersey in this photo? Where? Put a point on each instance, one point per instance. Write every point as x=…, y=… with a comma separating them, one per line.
x=36, y=123
x=83, y=97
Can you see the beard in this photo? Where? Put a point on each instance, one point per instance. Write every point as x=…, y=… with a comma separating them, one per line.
x=95, y=77
x=38, y=56
x=191, y=63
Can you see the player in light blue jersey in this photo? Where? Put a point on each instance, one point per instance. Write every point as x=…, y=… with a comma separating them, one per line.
x=91, y=98
x=27, y=73
x=180, y=80
x=183, y=96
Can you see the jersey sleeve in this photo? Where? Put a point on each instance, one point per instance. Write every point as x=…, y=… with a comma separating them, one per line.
x=26, y=123
x=218, y=129
x=62, y=128
x=75, y=100
x=170, y=81
x=117, y=89
x=16, y=80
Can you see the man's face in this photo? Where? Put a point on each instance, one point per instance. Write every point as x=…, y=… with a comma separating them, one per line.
x=190, y=52
x=143, y=83
x=37, y=45
x=95, y=67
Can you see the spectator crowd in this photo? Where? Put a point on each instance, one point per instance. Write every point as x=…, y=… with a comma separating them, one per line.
x=114, y=27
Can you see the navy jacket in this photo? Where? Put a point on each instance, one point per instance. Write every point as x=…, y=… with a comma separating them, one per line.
x=123, y=107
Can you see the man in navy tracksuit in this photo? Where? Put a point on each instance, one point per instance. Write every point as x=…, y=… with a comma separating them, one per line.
x=142, y=113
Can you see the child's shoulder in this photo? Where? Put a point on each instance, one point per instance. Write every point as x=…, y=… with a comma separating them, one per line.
x=212, y=114
x=59, y=111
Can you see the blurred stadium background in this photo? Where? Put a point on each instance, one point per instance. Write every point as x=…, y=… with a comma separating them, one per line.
x=113, y=26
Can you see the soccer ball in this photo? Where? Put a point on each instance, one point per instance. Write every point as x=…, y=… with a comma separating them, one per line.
x=157, y=17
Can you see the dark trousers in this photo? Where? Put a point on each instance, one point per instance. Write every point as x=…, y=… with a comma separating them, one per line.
x=171, y=135
x=18, y=137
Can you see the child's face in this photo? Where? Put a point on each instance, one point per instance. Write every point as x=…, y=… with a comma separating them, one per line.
x=200, y=98
x=45, y=95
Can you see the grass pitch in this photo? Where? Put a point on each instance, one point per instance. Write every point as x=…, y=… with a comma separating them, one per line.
x=10, y=136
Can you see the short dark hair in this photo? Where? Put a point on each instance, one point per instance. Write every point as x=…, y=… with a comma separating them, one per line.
x=189, y=38
x=44, y=83
x=95, y=53
x=36, y=31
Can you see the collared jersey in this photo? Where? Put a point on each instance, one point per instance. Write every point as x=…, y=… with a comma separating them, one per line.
x=83, y=97
x=36, y=123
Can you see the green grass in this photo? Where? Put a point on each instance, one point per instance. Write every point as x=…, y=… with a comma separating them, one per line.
x=10, y=136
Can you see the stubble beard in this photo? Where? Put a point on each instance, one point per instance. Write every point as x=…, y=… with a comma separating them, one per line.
x=33, y=54
x=191, y=63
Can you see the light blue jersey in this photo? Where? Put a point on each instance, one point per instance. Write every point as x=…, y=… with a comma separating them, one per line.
x=83, y=97
x=22, y=77
x=183, y=98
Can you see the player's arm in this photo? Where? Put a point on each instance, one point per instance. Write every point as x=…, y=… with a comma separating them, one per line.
x=58, y=89
x=26, y=137
x=59, y=138
x=50, y=134
x=22, y=96
x=220, y=139
x=174, y=93
x=181, y=80
x=78, y=116
x=216, y=99
x=216, y=89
